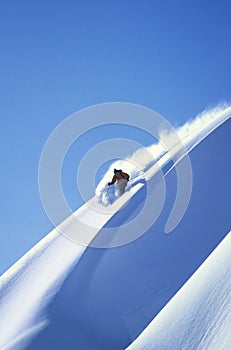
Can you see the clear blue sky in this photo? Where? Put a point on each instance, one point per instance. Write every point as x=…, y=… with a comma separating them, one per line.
x=60, y=56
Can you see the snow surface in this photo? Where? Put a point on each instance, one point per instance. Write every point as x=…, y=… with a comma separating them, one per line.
x=62, y=294
x=199, y=315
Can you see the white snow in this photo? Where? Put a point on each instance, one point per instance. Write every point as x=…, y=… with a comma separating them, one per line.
x=44, y=269
x=197, y=317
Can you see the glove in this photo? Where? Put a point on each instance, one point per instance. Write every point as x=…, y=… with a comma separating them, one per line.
x=109, y=184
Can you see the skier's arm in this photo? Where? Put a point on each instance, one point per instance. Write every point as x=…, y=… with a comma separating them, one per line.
x=126, y=176
x=112, y=181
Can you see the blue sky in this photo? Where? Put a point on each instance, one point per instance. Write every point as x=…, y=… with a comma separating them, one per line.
x=58, y=57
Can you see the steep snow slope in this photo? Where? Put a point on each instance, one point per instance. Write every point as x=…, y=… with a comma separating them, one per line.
x=31, y=283
x=111, y=295
x=199, y=315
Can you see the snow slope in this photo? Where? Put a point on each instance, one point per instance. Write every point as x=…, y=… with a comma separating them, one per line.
x=65, y=295
x=199, y=315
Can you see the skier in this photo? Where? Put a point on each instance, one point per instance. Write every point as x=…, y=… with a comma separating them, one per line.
x=121, y=180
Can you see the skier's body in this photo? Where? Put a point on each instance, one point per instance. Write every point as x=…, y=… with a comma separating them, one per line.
x=121, y=179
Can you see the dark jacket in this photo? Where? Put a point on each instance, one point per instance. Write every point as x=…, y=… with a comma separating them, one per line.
x=119, y=175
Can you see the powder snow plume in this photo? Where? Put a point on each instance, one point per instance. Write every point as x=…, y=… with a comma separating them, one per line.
x=142, y=159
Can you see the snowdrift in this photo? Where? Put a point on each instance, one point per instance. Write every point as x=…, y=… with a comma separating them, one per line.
x=65, y=295
x=198, y=316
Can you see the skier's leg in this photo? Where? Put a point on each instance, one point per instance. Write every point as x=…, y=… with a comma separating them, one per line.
x=121, y=186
